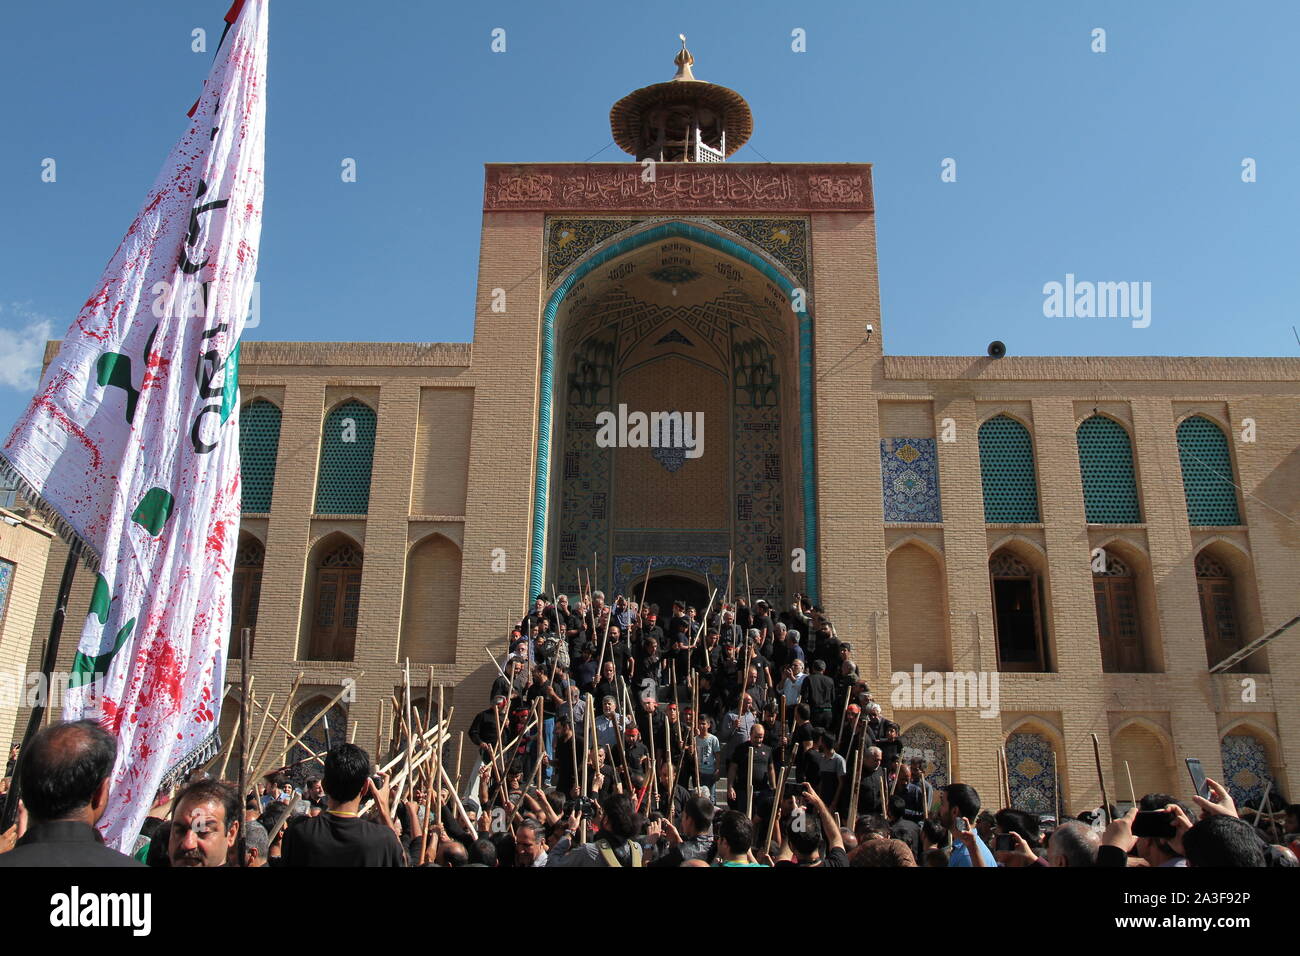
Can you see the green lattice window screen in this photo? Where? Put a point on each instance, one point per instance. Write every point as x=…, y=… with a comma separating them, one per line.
x=1007, y=469
x=1106, y=465
x=1207, y=473
x=346, y=459
x=259, y=447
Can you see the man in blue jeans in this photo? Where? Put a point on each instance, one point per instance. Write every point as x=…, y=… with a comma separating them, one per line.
x=543, y=687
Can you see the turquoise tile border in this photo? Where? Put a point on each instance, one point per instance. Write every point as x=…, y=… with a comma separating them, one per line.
x=681, y=230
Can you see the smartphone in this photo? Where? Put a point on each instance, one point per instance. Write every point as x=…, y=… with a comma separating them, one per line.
x=792, y=789
x=1198, y=777
x=963, y=825
x=1156, y=824
x=1002, y=842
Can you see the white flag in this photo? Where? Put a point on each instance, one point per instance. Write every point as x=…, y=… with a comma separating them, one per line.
x=131, y=445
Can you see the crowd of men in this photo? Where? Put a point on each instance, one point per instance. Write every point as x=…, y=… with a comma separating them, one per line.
x=618, y=736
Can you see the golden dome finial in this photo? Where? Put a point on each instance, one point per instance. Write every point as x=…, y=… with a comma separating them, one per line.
x=683, y=60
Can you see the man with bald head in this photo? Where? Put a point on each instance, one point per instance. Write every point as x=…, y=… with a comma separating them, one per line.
x=64, y=783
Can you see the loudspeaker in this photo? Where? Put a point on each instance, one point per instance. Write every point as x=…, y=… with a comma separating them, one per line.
x=997, y=349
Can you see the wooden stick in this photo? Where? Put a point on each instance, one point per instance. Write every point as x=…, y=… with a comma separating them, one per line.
x=654, y=766
x=257, y=740
x=1131, y=792
x=379, y=731
x=776, y=811
x=352, y=731
x=749, y=786
x=588, y=743
x=348, y=688
x=1101, y=780
x=844, y=713
x=604, y=638
x=246, y=692
x=1056, y=787
x=277, y=724
x=645, y=588
x=730, y=564
x=749, y=603
x=234, y=735
x=406, y=703
x=884, y=795
x=438, y=759
x=856, y=786
x=455, y=798
x=283, y=723
x=297, y=763
x=460, y=749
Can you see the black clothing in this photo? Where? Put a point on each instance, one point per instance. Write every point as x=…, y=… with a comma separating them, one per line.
x=699, y=847
x=869, y=792
x=335, y=840
x=705, y=658
x=64, y=843
x=762, y=764
x=818, y=692
x=483, y=729
x=608, y=688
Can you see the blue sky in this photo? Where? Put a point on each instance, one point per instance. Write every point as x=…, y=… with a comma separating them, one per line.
x=1115, y=166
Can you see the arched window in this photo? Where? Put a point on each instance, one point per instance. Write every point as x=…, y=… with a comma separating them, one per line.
x=1207, y=473
x=259, y=447
x=246, y=591
x=1219, y=618
x=335, y=604
x=1106, y=466
x=1007, y=468
x=1118, y=623
x=1017, y=613
x=346, y=458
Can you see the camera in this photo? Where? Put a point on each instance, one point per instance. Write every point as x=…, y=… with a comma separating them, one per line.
x=584, y=805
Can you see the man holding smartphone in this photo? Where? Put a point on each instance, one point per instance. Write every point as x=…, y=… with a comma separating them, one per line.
x=1154, y=829
x=959, y=804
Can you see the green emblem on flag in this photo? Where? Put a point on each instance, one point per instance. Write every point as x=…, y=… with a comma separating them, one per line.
x=153, y=510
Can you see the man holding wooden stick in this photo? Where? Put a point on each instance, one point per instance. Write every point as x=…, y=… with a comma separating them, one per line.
x=751, y=777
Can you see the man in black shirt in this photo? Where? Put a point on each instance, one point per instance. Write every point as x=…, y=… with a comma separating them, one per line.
x=761, y=776
x=871, y=786
x=514, y=681
x=816, y=823
x=64, y=779
x=339, y=837
x=608, y=685
x=707, y=654
x=485, y=729
x=818, y=692
x=804, y=741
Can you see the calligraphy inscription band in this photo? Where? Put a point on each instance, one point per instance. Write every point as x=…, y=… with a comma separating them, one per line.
x=788, y=187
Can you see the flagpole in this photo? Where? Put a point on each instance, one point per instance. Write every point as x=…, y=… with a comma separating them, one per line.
x=245, y=638
x=47, y=668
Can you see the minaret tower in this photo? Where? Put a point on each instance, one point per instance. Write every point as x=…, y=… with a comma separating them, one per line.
x=684, y=120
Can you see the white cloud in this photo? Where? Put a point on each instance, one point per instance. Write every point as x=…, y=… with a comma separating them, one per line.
x=23, y=334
